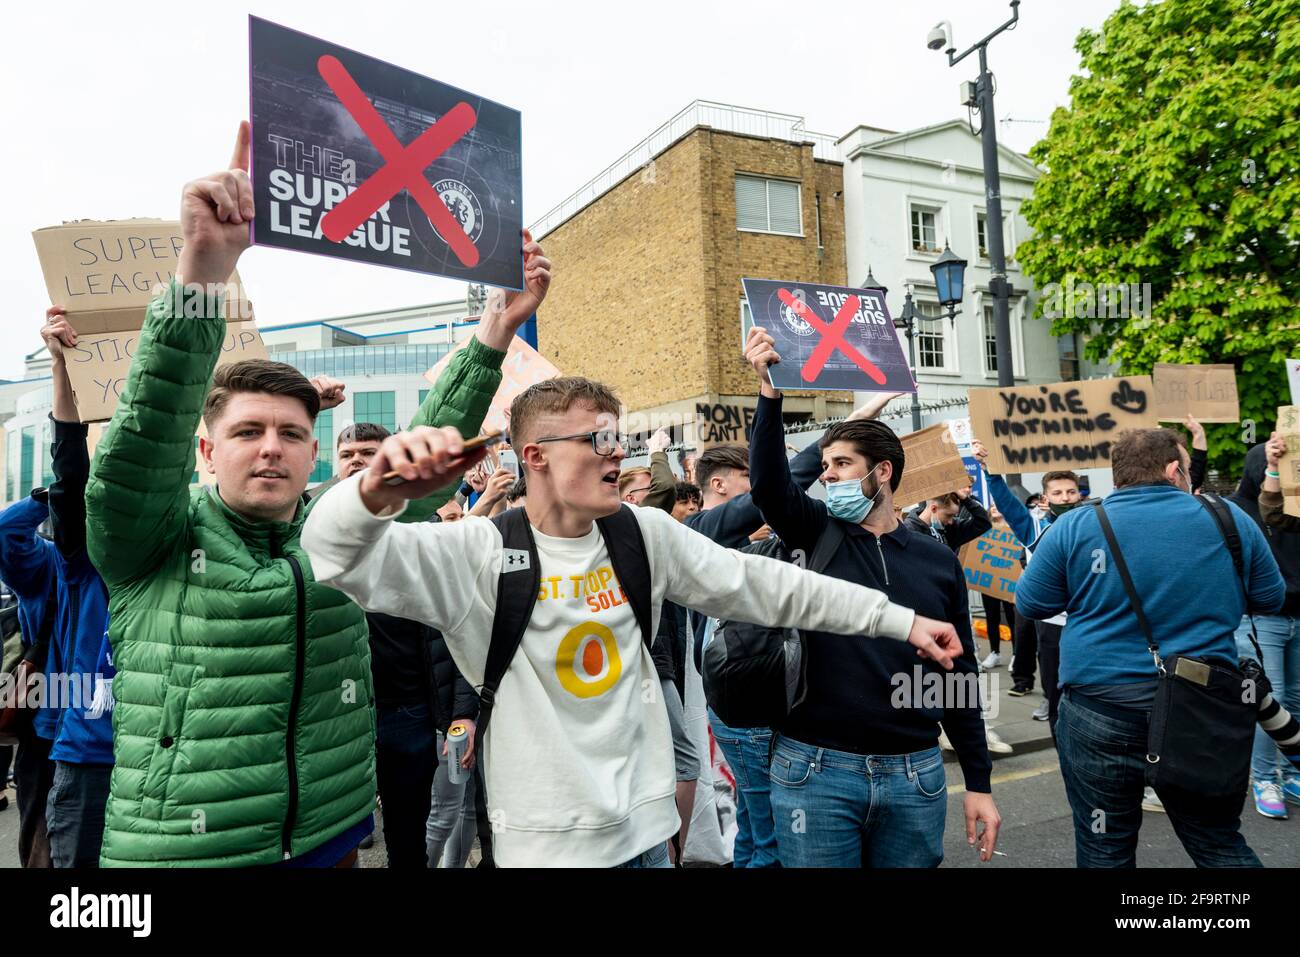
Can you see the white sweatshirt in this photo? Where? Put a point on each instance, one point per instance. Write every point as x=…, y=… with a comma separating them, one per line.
x=578, y=759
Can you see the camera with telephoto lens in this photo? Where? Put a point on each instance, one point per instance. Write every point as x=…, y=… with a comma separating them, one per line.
x=1276, y=721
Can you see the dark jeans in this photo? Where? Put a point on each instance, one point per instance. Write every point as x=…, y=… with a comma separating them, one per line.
x=33, y=775
x=74, y=813
x=995, y=609
x=406, y=757
x=1049, y=664
x=1025, y=647
x=1103, y=763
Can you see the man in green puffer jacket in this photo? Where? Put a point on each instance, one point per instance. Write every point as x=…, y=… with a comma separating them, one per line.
x=244, y=724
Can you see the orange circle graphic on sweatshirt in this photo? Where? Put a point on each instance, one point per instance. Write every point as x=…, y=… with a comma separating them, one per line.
x=587, y=661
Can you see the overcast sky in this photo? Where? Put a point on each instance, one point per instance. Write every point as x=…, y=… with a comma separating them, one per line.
x=110, y=108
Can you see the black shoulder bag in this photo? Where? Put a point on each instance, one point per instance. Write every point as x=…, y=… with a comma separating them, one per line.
x=1203, y=718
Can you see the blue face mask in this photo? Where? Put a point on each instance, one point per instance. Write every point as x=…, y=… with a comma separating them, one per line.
x=846, y=501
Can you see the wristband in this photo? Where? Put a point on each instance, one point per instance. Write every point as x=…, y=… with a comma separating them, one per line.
x=1270, y=474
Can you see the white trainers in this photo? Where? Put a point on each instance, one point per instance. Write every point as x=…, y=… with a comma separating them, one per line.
x=991, y=662
x=995, y=743
x=1151, y=801
x=1042, y=712
x=944, y=742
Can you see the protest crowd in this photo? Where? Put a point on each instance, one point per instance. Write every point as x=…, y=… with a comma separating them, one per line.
x=499, y=666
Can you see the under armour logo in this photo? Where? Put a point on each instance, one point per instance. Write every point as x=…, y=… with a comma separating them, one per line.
x=515, y=559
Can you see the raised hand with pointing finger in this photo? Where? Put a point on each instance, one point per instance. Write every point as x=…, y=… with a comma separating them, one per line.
x=216, y=211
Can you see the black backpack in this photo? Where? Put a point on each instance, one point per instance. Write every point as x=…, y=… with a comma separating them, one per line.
x=517, y=589
x=755, y=675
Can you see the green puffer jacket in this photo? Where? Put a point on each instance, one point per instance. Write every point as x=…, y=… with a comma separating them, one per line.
x=244, y=727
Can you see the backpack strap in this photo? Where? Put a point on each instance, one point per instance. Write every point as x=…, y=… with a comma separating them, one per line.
x=626, y=547
x=1232, y=538
x=519, y=581
x=827, y=546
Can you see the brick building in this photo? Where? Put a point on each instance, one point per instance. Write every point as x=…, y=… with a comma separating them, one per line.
x=650, y=255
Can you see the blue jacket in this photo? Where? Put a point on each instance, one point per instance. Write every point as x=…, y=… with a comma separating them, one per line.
x=27, y=566
x=1181, y=569
x=80, y=648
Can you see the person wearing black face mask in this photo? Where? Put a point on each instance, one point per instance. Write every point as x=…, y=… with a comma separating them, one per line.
x=1060, y=494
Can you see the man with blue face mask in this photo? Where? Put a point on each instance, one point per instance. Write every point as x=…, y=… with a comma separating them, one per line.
x=856, y=764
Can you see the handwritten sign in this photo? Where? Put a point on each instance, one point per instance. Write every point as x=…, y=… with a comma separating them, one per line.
x=1207, y=392
x=719, y=423
x=523, y=366
x=991, y=563
x=932, y=466
x=1066, y=425
x=105, y=273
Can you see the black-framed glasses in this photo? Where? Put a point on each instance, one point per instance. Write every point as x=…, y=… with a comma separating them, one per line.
x=603, y=442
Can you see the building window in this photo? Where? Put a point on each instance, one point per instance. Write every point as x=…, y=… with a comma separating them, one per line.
x=925, y=236
x=11, y=472
x=931, y=343
x=768, y=206
x=990, y=342
x=324, y=432
x=423, y=394
x=981, y=237
x=28, y=461
x=377, y=407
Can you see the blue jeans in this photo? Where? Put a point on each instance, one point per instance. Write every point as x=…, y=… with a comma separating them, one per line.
x=837, y=809
x=746, y=751
x=406, y=756
x=657, y=856
x=1279, y=639
x=1103, y=761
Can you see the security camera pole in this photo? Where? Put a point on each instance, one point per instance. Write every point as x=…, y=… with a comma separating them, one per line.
x=998, y=284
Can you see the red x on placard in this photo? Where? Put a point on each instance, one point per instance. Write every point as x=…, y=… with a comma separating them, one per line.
x=833, y=337
x=404, y=166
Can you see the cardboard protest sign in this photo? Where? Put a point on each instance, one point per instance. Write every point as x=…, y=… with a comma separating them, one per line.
x=829, y=337
x=358, y=159
x=931, y=468
x=1293, y=379
x=1066, y=425
x=1288, y=427
x=1207, y=392
x=992, y=563
x=724, y=423
x=523, y=366
x=105, y=273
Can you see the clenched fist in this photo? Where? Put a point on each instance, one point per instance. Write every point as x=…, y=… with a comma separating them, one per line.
x=215, y=214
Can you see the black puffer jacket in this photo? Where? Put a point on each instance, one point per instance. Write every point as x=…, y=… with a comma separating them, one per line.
x=411, y=665
x=1284, y=545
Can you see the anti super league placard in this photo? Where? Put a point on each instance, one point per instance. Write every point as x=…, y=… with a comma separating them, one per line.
x=355, y=158
x=829, y=337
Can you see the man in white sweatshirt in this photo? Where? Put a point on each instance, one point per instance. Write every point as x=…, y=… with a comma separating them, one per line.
x=578, y=760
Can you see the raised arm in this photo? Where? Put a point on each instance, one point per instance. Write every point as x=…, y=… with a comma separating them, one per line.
x=797, y=519
x=70, y=462
x=663, y=483
x=1012, y=509
x=1044, y=589
x=1199, y=453
x=138, y=495
x=1271, y=504
x=972, y=521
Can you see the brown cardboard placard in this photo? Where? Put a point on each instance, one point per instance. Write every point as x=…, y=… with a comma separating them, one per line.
x=724, y=423
x=932, y=466
x=991, y=563
x=1288, y=427
x=1207, y=392
x=523, y=366
x=105, y=273
x=1064, y=425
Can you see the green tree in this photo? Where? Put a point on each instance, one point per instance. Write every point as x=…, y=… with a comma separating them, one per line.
x=1177, y=164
